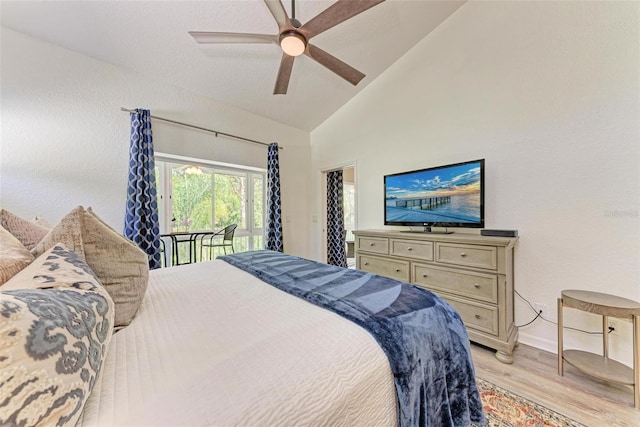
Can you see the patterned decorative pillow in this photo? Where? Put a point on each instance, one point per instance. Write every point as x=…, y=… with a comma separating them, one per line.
x=27, y=232
x=120, y=265
x=55, y=333
x=13, y=255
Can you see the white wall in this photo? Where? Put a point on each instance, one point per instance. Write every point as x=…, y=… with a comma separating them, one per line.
x=548, y=94
x=65, y=141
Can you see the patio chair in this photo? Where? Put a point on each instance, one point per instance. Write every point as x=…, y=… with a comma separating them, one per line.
x=224, y=243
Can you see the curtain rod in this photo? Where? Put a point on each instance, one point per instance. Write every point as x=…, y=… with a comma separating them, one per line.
x=215, y=132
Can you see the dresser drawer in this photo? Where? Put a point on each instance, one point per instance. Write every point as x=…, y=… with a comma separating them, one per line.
x=378, y=245
x=480, y=286
x=478, y=256
x=476, y=316
x=396, y=269
x=474, y=273
x=412, y=249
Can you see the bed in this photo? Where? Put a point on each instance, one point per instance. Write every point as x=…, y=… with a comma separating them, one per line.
x=90, y=337
x=213, y=344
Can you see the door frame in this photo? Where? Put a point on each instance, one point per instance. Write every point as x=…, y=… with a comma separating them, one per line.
x=323, y=195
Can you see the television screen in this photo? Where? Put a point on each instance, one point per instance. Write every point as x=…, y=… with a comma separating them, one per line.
x=444, y=196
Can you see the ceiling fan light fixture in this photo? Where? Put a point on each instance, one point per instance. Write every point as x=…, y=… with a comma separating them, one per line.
x=293, y=43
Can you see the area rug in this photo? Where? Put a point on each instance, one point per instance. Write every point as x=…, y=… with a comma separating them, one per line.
x=506, y=409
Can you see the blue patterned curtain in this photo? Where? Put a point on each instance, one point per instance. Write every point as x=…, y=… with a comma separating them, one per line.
x=274, y=215
x=336, y=253
x=141, y=218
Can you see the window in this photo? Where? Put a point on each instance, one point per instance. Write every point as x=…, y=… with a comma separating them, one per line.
x=191, y=196
x=195, y=195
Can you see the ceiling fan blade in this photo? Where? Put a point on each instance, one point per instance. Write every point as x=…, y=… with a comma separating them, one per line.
x=277, y=10
x=284, y=74
x=335, y=14
x=345, y=71
x=205, y=37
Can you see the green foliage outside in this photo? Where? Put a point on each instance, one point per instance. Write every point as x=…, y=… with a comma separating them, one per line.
x=230, y=206
x=191, y=201
x=258, y=196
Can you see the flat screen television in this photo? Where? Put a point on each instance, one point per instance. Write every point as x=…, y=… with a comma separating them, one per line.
x=443, y=196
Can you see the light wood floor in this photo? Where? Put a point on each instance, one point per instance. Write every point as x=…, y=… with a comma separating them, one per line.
x=534, y=375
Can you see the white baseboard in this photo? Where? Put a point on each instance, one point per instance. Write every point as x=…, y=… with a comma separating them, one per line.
x=537, y=342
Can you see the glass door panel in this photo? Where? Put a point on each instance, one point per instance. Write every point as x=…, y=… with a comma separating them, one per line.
x=257, y=241
x=191, y=195
x=230, y=200
x=258, y=202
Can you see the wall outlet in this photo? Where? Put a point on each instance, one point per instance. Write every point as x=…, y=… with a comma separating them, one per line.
x=543, y=308
x=616, y=327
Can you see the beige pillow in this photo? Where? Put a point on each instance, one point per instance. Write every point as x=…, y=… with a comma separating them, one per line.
x=55, y=330
x=27, y=232
x=120, y=265
x=13, y=255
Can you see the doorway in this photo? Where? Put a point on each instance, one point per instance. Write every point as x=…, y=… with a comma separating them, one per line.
x=349, y=205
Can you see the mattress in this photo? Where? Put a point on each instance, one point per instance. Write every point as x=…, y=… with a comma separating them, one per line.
x=213, y=345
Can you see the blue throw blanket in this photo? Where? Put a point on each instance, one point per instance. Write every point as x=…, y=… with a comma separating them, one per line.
x=423, y=336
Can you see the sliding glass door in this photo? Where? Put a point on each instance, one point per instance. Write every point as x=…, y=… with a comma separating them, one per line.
x=202, y=197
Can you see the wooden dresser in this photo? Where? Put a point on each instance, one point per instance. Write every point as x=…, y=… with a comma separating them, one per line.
x=473, y=273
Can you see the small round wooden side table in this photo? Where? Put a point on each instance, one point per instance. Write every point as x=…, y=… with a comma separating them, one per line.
x=593, y=364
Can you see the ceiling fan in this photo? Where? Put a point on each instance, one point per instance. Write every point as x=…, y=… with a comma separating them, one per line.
x=293, y=38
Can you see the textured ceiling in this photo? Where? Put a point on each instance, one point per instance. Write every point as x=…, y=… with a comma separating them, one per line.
x=150, y=37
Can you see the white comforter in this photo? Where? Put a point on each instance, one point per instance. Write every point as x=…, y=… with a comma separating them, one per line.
x=213, y=345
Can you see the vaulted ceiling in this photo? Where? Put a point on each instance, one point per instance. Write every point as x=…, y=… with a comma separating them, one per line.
x=151, y=38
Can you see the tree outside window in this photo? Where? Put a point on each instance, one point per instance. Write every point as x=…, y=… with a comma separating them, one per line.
x=230, y=202
x=191, y=195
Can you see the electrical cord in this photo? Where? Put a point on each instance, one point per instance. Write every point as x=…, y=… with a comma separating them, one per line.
x=539, y=315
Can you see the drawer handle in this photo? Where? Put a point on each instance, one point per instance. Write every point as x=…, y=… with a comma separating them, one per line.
x=463, y=255
x=476, y=286
x=424, y=275
x=409, y=248
x=397, y=270
x=366, y=263
x=372, y=244
x=477, y=316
